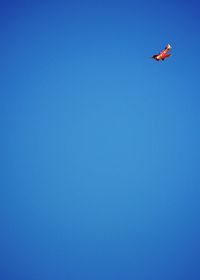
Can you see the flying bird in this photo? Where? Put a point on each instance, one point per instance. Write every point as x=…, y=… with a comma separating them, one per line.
x=163, y=54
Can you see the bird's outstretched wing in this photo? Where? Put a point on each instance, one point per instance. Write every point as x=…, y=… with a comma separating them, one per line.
x=168, y=54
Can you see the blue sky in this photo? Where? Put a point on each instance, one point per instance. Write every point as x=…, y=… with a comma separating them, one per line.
x=99, y=147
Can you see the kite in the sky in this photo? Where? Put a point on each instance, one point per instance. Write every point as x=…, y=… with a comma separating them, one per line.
x=163, y=54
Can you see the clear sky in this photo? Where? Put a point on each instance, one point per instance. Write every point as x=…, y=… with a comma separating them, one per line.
x=99, y=146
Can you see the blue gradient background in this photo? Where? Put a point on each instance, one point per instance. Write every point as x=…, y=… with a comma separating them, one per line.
x=99, y=146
